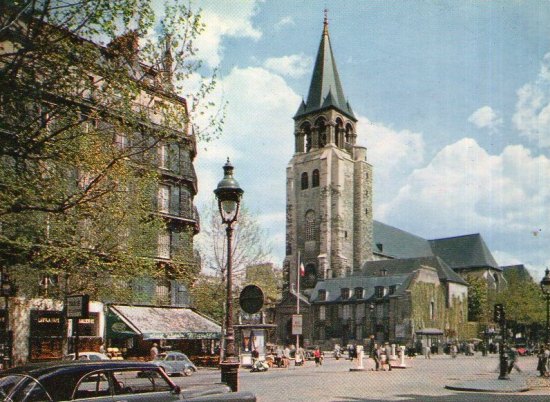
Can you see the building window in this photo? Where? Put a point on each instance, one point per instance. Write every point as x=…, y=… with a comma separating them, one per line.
x=346, y=311
x=392, y=289
x=358, y=293
x=322, y=295
x=432, y=310
x=164, y=199
x=379, y=291
x=359, y=312
x=305, y=180
x=121, y=141
x=315, y=178
x=322, y=132
x=322, y=313
x=310, y=225
x=162, y=293
x=164, y=245
x=344, y=293
x=163, y=156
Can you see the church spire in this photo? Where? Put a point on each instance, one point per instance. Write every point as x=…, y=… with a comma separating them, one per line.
x=325, y=89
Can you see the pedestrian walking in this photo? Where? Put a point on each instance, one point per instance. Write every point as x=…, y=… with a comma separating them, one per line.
x=317, y=357
x=543, y=364
x=454, y=350
x=427, y=352
x=153, y=352
x=375, y=355
x=387, y=350
x=513, y=360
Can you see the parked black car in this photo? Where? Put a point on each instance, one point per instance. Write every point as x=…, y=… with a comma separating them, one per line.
x=102, y=381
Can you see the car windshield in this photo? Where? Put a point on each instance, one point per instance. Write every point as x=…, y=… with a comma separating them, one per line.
x=7, y=383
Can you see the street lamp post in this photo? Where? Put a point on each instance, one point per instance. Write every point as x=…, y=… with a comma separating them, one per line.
x=7, y=289
x=372, y=320
x=545, y=287
x=229, y=196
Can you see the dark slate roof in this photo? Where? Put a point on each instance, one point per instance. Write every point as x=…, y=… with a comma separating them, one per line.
x=325, y=89
x=522, y=272
x=407, y=265
x=334, y=285
x=397, y=243
x=468, y=251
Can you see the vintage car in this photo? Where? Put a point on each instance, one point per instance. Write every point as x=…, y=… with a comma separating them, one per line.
x=87, y=356
x=175, y=363
x=103, y=381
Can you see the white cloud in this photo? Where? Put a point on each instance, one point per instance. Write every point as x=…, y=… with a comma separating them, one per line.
x=260, y=144
x=224, y=19
x=285, y=21
x=532, y=115
x=466, y=190
x=407, y=153
x=294, y=66
x=485, y=117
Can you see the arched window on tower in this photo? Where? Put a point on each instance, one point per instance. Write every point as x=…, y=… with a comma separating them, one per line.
x=349, y=133
x=310, y=225
x=306, y=128
x=310, y=277
x=305, y=181
x=322, y=131
x=315, y=178
x=338, y=130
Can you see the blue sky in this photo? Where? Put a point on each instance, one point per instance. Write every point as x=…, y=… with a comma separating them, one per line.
x=453, y=102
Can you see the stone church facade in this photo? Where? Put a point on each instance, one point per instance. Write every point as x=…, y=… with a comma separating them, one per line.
x=362, y=277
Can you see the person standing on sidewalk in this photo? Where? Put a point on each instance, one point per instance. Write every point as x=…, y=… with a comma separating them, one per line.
x=513, y=360
x=317, y=357
x=375, y=355
x=387, y=350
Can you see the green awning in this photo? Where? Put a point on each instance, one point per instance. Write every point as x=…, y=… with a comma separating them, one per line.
x=154, y=323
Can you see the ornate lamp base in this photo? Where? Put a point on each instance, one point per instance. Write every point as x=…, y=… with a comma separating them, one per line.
x=230, y=374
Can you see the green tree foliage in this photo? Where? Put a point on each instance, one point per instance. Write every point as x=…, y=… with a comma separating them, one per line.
x=79, y=130
x=478, y=298
x=522, y=299
x=208, y=295
x=268, y=278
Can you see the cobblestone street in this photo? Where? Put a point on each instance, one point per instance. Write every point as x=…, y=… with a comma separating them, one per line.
x=424, y=380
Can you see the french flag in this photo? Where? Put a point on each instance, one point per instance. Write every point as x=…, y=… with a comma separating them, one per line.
x=302, y=269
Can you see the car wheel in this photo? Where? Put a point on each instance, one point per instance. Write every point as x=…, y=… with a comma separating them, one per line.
x=187, y=371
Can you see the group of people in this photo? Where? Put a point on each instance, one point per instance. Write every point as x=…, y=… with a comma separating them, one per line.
x=381, y=355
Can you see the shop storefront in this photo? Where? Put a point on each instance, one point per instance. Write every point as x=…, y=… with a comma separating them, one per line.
x=46, y=335
x=88, y=332
x=133, y=329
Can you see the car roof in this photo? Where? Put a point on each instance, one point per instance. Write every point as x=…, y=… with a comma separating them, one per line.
x=40, y=369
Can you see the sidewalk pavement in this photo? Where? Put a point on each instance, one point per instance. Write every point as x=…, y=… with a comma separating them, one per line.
x=516, y=383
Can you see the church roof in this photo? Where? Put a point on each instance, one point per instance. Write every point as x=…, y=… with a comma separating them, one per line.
x=325, y=89
x=404, y=266
x=333, y=286
x=396, y=243
x=468, y=251
x=460, y=252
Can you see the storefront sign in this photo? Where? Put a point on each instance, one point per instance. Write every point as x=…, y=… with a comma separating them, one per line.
x=296, y=324
x=77, y=306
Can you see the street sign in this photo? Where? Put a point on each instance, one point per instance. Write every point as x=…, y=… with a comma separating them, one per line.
x=251, y=299
x=77, y=306
x=296, y=324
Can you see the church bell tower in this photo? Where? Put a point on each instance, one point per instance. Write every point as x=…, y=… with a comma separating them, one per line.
x=329, y=182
